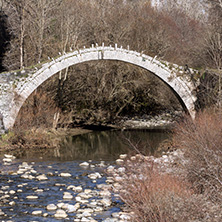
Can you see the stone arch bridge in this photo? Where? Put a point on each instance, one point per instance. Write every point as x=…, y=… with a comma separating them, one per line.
x=17, y=86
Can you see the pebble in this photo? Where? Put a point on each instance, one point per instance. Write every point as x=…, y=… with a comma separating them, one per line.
x=65, y=175
x=60, y=214
x=37, y=212
x=51, y=207
x=67, y=196
x=7, y=160
x=73, y=208
x=12, y=192
x=1, y=213
x=9, y=156
x=122, y=156
x=32, y=197
x=84, y=164
x=77, y=189
x=42, y=177
x=119, y=161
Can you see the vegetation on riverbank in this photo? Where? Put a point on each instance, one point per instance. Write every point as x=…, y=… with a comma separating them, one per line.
x=189, y=188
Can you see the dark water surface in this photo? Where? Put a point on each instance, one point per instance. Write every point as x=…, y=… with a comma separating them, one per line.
x=103, y=145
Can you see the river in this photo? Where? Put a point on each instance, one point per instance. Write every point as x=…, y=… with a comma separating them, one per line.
x=33, y=181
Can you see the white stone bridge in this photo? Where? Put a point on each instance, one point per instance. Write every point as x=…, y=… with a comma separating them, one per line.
x=17, y=86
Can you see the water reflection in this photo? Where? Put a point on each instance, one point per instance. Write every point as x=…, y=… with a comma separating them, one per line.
x=100, y=145
x=107, y=145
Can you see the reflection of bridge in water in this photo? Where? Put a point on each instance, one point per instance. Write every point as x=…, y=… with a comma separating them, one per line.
x=17, y=86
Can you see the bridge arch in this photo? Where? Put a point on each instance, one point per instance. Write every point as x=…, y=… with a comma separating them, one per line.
x=171, y=74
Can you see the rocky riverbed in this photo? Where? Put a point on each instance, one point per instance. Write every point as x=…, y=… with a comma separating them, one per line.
x=51, y=191
x=72, y=191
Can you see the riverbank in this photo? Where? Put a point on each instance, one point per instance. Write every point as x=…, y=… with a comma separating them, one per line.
x=43, y=138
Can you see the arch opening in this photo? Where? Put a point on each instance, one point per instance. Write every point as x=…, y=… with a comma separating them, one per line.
x=100, y=92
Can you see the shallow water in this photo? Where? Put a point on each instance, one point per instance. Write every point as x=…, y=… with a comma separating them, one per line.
x=93, y=147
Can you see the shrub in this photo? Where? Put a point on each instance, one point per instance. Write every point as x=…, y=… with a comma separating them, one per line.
x=156, y=197
x=201, y=140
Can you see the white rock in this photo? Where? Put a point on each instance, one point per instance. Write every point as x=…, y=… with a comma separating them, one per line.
x=121, y=170
x=39, y=190
x=119, y=161
x=12, y=192
x=110, y=169
x=65, y=175
x=105, y=193
x=77, y=189
x=32, y=197
x=84, y=164
x=60, y=214
x=78, y=198
x=59, y=205
x=65, y=206
x=12, y=203
x=133, y=158
x=73, y=208
x=1, y=213
x=106, y=202
x=70, y=187
x=98, y=209
x=9, y=156
x=7, y=160
x=33, y=171
x=42, y=177
x=37, y=212
x=87, y=191
x=122, y=156
x=67, y=196
x=51, y=207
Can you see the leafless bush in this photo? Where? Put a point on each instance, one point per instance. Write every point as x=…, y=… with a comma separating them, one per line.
x=201, y=140
x=153, y=196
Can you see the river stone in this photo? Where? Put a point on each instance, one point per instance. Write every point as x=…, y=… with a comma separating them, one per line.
x=133, y=158
x=78, y=189
x=32, y=197
x=106, y=202
x=8, y=160
x=122, y=156
x=59, y=205
x=73, y=208
x=78, y=199
x=67, y=196
x=1, y=213
x=42, y=177
x=121, y=170
x=12, y=192
x=105, y=193
x=65, y=206
x=87, y=191
x=37, y=212
x=119, y=161
x=65, y=175
x=12, y=203
x=60, y=214
x=9, y=156
x=110, y=220
x=86, y=214
x=51, y=207
x=84, y=164
x=98, y=209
